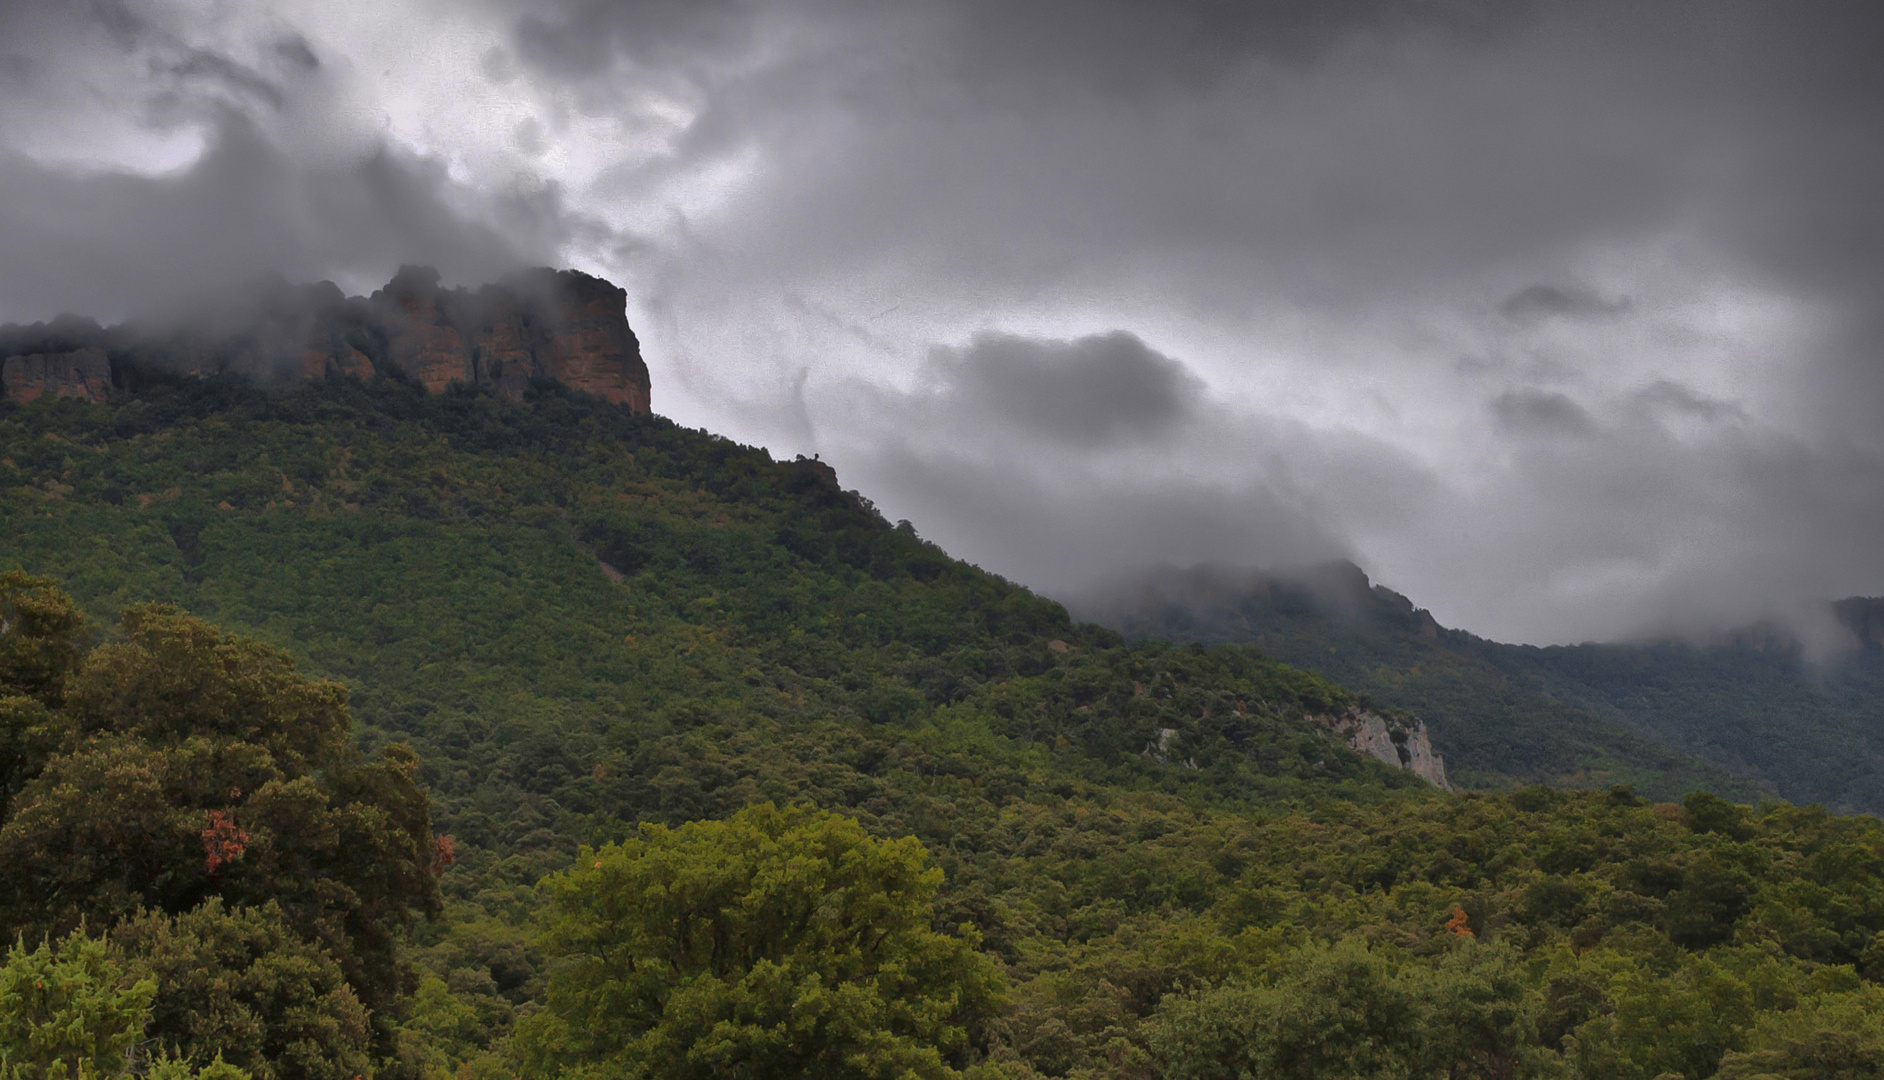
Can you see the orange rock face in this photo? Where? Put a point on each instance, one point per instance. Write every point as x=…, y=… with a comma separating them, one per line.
x=591, y=347
x=84, y=374
x=318, y=364
x=542, y=324
x=420, y=341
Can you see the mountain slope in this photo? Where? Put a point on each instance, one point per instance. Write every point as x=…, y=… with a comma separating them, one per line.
x=585, y=620
x=1750, y=716
x=560, y=603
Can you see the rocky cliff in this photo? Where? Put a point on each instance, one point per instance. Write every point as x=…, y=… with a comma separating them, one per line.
x=541, y=324
x=81, y=373
x=1396, y=741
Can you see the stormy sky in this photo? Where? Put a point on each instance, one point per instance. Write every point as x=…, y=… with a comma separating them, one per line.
x=1565, y=319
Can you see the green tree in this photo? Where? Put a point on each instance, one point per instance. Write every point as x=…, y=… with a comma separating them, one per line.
x=42, y=639
x=1839, y=1037
x=1483, y=1014
x=1339, y=1014
x=1679, y=1023
x=193, y=764
x=68, y=1010
x=241, y=984
x=776, y=943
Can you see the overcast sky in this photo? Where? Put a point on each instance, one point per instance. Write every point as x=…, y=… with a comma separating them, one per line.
x=1565, y=319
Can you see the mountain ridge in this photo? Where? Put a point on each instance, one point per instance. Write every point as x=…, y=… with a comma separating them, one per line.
x=1131, y=832
x=543, y=323
x=1749, y=711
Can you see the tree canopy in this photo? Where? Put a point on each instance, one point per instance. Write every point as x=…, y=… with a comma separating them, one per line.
x=606, y=637
x=182, y=773
x=775, y=943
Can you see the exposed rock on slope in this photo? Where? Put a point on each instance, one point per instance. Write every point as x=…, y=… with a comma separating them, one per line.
x=1399, y=742
x=541, y=324
x=82, y=373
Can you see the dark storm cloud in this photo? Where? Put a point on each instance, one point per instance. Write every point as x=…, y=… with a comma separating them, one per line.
x=1062, y=529
x=1257, y=164
x=1536, y=302
x=1672, y=397
x=1805, y=207
x=285, y=184
x=1091, y=391
x=111, y=245
x=1537, y=412
x=582, y=39
x=1123, y=46
x=295, y=49
x=1614, y=204
x=1648, y=525
x=1328, y=154
x=1058, y=461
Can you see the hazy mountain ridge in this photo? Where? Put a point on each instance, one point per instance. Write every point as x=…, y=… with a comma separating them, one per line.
x=1746, y=711
x=539, y=324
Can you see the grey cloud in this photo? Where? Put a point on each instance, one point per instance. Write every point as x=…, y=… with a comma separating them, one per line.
x=996, y=47
x=1058, y=462
x=986, y=141
x=297, y=51
x=1064, y=530
x=1538, y=412
x=1646, y=532
x=1255, y=166
x=1670, y=396
x=1536, y=302
x=112, y=243
x=1090, y=391
x=1312, y=182
x=586, y=37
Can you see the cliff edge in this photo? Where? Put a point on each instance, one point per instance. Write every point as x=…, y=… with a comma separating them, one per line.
x=541, y=324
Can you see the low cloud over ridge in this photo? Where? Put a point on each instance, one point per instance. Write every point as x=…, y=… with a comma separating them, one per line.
x=1559, y=317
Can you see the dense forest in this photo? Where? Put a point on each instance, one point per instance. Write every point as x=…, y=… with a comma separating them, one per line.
x=1750, y=714
x=358, y=731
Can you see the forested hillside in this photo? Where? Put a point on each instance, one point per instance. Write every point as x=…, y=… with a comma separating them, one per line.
x=1751, y=714
x=713, y=771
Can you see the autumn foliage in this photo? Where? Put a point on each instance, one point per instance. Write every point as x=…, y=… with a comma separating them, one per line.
x=223, y=841
x=1456, y=925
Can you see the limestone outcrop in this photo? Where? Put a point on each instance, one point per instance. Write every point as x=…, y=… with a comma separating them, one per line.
x=81, y=373
x=1399, y=742
x=542, y=324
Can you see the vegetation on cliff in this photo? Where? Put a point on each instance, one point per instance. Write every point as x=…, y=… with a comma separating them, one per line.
x=593, y=628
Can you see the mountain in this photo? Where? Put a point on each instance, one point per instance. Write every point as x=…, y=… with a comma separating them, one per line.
x=1749, y=713
x=600, y=643
x=564, y=326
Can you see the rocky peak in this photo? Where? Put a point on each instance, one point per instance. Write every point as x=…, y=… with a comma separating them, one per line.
x=540, y=324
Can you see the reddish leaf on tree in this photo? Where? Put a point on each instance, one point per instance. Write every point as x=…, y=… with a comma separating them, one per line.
x=443, y=854
x=1457, y=924
x=223, y=842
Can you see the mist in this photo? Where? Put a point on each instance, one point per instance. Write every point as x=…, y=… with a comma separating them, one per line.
x=1561, y=319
